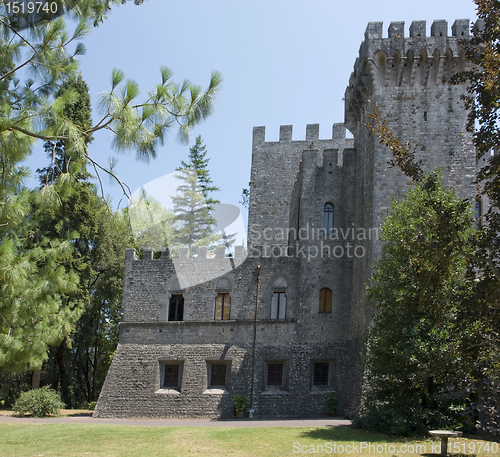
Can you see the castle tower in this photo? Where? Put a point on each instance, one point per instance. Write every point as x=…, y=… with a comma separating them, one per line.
x=408, y=79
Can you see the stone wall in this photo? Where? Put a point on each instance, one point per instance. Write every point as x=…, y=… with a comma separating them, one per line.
x=291, y=182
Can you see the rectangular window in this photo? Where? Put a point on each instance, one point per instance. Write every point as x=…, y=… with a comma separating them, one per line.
x=218, y=374
x=222, y=306
x=176, y=308
x=171, y=376
x=275, y=374
x=278, y=305
x=321, y=372
x=325, y=300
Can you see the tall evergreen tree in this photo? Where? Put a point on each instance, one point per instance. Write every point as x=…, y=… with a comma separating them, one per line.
x=199, y=161
x=194, y=223
x=77, y=367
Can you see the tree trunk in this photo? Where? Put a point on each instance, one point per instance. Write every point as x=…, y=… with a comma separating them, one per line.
x=35, y=379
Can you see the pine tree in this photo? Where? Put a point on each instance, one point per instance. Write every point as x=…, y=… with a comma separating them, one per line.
x=199, y=162
x=79, y=364
x=193, y=223
x=193, y=204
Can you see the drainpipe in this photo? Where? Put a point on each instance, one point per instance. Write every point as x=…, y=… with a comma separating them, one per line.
x=254, y=338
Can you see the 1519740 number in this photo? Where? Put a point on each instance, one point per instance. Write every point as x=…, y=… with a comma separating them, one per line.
x=30, y=7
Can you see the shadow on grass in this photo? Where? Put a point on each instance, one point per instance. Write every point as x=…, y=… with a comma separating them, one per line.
x=351, y=434
x=78, y=414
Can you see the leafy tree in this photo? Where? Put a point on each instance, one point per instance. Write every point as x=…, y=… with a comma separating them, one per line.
x=483, y=102
x=150, y=225
x=77, y=367
x=419, y=370
x=38, y=262
x=36, y=109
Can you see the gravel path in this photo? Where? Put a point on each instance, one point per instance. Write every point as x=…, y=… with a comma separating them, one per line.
x=87, y=419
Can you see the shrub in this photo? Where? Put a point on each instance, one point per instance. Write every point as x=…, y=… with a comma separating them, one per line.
x=240, y=402
x=39, y=402
x=333, y=400
x=89, y=405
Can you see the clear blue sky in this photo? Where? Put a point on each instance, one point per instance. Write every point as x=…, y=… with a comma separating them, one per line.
x=283, y=62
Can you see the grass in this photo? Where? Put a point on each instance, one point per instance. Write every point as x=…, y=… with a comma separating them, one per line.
x=51, y=440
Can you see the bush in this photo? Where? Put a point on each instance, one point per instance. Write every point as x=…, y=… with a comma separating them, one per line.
x=89, y=405
x=240, y=402
x=333, y=401
x=39, y=402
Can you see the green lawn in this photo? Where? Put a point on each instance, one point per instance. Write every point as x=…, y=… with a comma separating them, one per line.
x=116, y=440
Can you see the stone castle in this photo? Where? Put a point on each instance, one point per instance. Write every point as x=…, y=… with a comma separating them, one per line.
x=285, y=324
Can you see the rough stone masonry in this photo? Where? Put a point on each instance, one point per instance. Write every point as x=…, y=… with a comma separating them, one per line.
x=284, y=323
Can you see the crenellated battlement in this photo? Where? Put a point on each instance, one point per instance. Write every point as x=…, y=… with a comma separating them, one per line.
x=338, y=139
x=202, y=254
x=418, y=29
x=405, y=61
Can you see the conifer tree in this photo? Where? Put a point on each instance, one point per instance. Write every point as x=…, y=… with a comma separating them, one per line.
x=194, y=223
x=199, y=161
x=37, y=262
x=79, y=364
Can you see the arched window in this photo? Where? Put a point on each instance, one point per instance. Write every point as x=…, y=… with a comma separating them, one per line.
x=328, y=218
x=278, y=300
x=223, y=300
x=325, y=300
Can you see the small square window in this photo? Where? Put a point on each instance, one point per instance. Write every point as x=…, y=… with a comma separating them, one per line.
x=171, y=376
x=218, y=375
x=274, y=374
x=320, y=375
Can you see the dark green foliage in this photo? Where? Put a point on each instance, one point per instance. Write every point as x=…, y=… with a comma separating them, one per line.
x=420, y=370
x=79, y=364
x=240, y=402
x=39, y=402
x=333, y=401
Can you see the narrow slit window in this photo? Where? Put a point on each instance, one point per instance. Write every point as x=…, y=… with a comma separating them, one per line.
x=328, y=218
x=325, y=300
x=478, y=213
